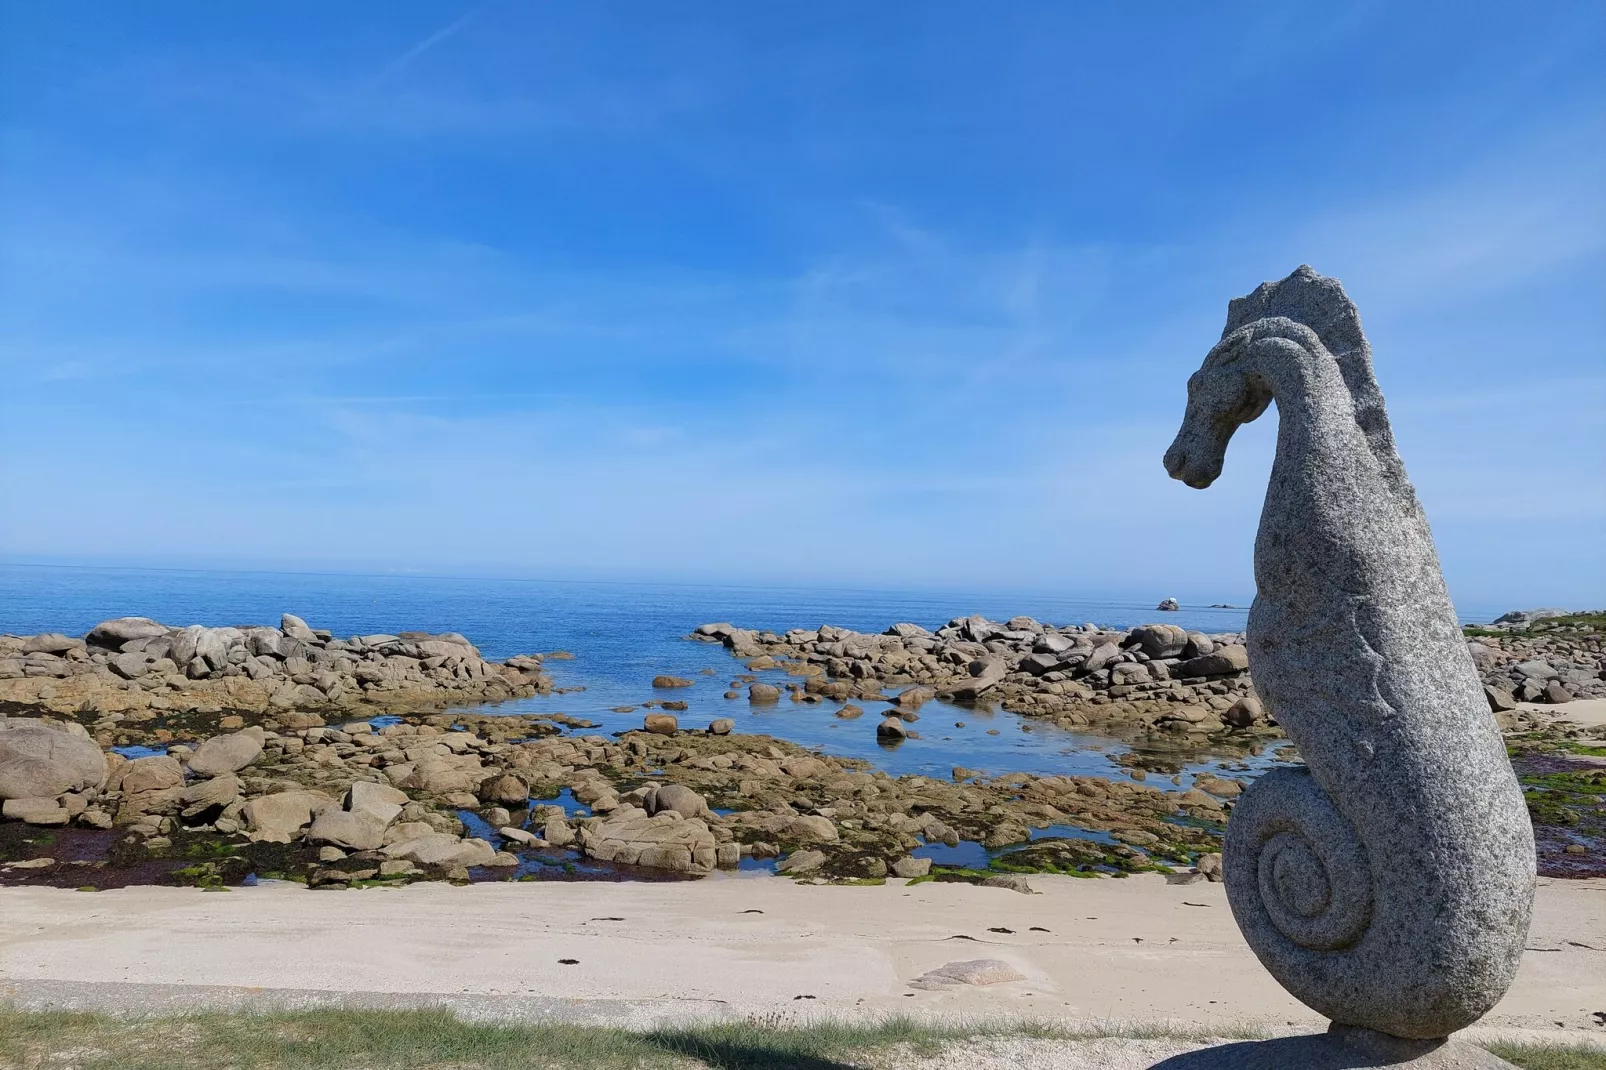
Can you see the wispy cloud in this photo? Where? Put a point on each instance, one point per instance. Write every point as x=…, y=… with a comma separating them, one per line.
x=407, y=58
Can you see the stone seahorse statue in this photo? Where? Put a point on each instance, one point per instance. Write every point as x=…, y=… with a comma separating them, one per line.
x=1388, y=883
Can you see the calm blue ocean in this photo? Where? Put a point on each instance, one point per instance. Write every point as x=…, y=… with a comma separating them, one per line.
x=621, y=635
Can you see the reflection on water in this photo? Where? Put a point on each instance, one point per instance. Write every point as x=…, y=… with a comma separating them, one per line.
x=972, y=855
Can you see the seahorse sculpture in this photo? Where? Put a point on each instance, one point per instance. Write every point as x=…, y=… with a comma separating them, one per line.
x=1388, y=883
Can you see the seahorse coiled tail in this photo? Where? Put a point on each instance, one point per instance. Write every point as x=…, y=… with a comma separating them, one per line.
x=1388, y=883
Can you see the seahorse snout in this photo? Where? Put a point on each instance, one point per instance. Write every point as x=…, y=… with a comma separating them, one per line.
x=1183, y=462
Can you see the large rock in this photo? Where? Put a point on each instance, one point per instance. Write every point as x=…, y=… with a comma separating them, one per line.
x=1223, y=662
x=660, y=724
x=112, y=634
x=381, y=800
x=227, y=754
x=443, y=849
x=677, y=797
x=1159, y=640
x=280, y=818
x=296, y=628
x=508, y=789
x=51, y=643
x=35, y=811
x=157, y=772
x=204, y=796
x=662, y=841
x=977, y=972
x=37, y=761
x=355, y=830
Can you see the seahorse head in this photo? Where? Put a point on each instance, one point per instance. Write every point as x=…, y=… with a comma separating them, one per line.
x=1306, y=310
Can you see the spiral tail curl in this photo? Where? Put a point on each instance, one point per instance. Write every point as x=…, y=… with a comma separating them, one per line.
x=1297, y=874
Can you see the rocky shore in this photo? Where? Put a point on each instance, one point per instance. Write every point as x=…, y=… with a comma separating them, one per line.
x=359, y=802
x=1156, y=676
x=288, y=753
x=135, y=666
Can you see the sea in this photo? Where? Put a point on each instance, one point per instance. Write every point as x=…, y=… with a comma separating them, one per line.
x=621, y=635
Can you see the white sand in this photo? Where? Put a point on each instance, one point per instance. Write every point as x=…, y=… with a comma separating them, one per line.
x=1584, y=711
x=1133, y=950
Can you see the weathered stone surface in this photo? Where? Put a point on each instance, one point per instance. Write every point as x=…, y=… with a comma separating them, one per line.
x=35, y=811
x=662, y=841
x=37, y=761
x=721, y=726
x=212, y=794
x=891, y=728
x=509, y=789
x=801, y=862
x=910, y=867
x=442, y=849
x=112, y=634
x=679, y=798
x=1224, y=660
x=1159, y=640
x=154, y=773
x=227, y=754
x=662, y=724
x=50, y=643
x=280, y=818
x=1389, y=883
x=357, y=830
x=978, y=972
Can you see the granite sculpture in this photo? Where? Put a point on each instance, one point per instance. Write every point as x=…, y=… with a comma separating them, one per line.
x=1388, y=883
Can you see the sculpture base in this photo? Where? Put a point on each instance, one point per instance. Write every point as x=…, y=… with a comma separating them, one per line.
x=1342, y=1047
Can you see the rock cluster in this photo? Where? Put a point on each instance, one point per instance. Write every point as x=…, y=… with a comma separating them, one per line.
x=1552, y=667
x=361, y=801
x=1158, y=674
x=137, y=664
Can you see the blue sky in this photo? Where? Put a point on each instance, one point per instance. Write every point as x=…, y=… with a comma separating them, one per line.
x=899, y=294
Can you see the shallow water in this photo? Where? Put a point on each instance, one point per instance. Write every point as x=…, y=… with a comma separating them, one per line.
x=622, y=635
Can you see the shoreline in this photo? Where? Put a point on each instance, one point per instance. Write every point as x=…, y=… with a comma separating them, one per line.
x=1131, y=951
x=214, y=797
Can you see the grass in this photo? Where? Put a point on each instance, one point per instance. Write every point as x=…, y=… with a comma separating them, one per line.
x=438, y=1040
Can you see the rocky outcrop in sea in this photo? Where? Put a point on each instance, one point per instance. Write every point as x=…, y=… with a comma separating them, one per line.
x=135, y=665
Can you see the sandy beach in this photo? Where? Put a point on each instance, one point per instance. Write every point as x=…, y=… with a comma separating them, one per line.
x=1136, y=950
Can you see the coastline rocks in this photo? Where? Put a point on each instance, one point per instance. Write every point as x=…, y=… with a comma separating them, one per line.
x=1168, y=605
x=891, y=728
x=134, y=664
x=721, y=726
x=41, y=761
x=763, y=694
x=671, y=681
